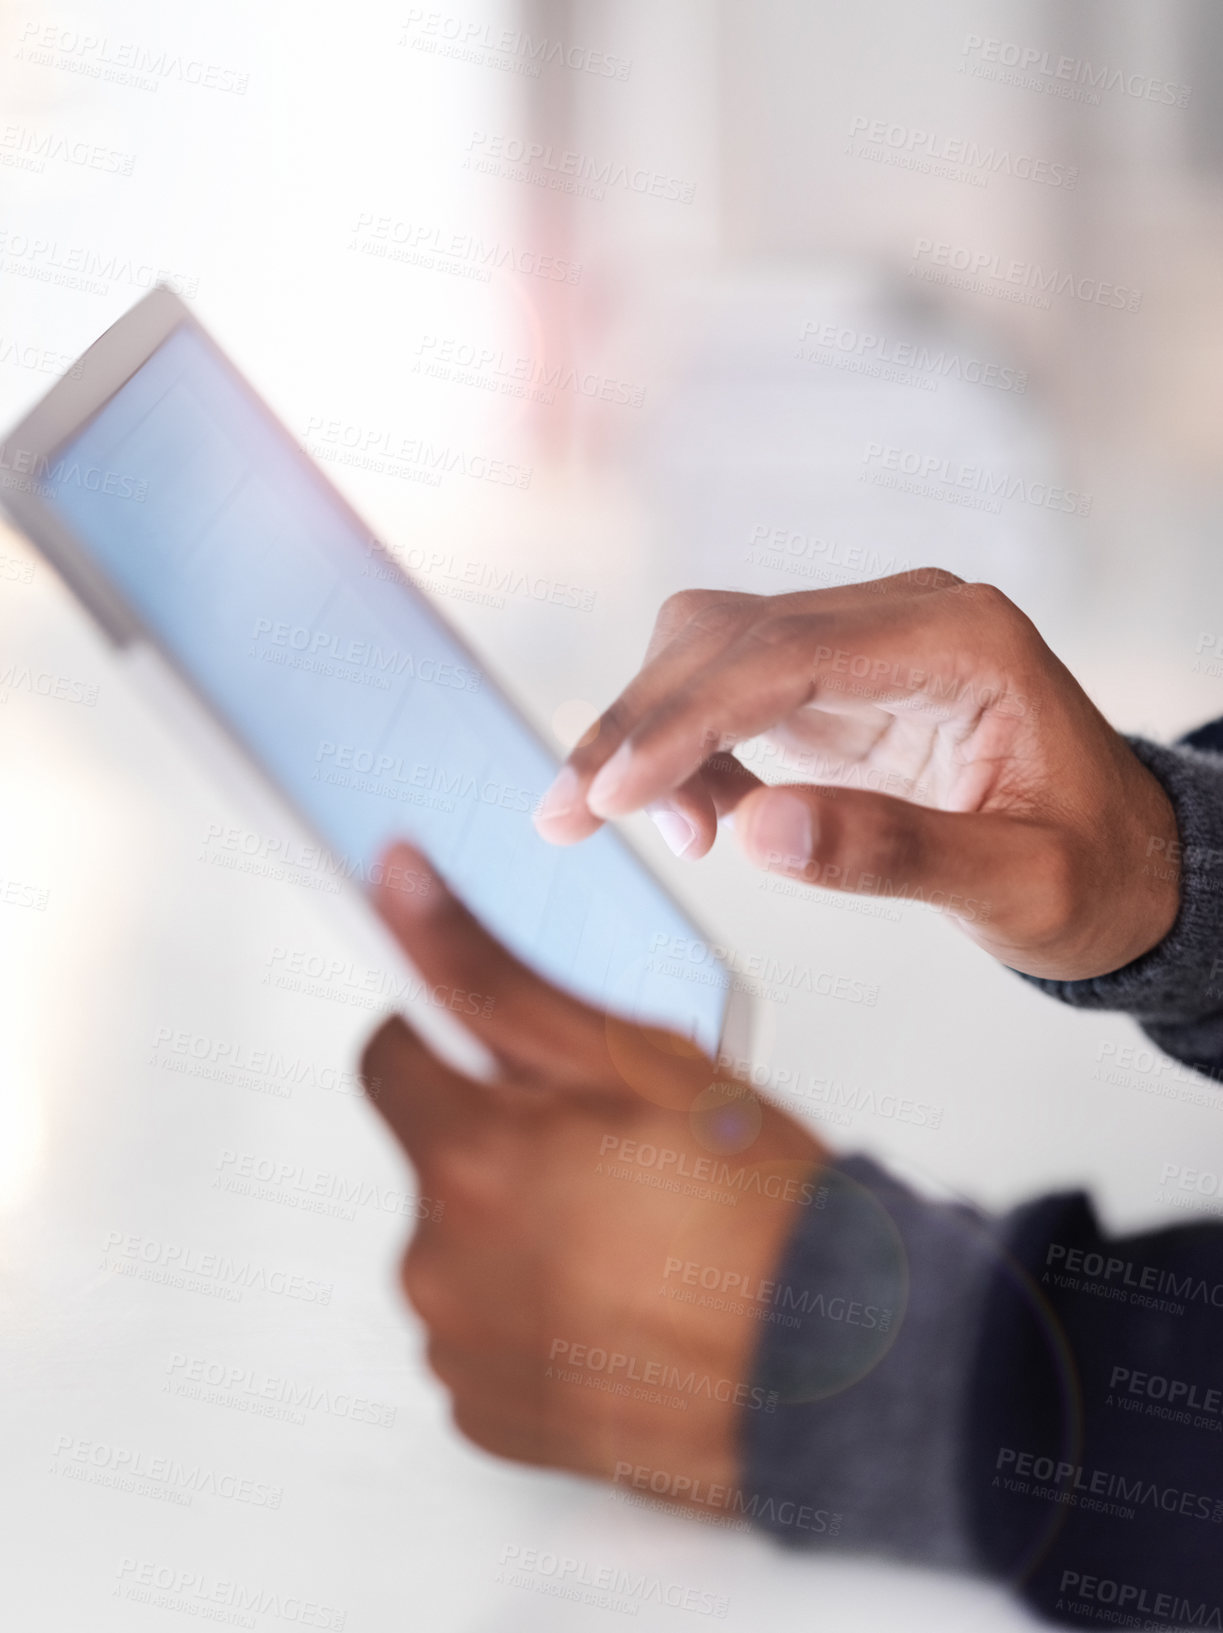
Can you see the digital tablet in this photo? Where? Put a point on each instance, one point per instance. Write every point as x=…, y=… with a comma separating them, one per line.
x=192, y=525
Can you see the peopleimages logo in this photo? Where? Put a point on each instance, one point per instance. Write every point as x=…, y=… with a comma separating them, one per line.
x=78, y=266
x=942, y=477
x=490, y=583
x=413, y=458
x=339, y=657
x=884, y=356
x=1040, y=69
x=470, y=39
x=492, y=368
x=175, y=1265
x=745, y=1179
x=568, y=171
x=219, y=1599
x=123, y=62
x=690, y=958
x=129, y=1469
x=737, y=1286
x=38, y=358
x=612, y=1369
x=446, y=249
x=1037, y=1476
x=312, y=1189
x=41, y=475
x=987, y=272
x=417, y=781
x=688, y=1488
x=43, y=683
x=945, y=155
x=609, y=1587
x=1175, y=1400
x=346, y=981
x=262, y=1394
x=838, y=1101
x=27, y=149
x=1122, y=1281
x=1170, y=1609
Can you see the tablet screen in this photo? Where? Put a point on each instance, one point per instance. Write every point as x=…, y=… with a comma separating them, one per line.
x=241, y=561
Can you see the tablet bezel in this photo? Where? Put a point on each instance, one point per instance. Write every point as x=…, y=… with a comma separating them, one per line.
x=64, y=412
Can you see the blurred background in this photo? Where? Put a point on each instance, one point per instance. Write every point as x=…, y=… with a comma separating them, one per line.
x=743, y=289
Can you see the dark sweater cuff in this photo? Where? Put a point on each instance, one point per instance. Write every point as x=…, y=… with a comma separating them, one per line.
x=1176, y=983
x=876, y=1320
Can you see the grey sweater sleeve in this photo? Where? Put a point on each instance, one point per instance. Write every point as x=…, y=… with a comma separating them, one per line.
x=996, y=1395
x=1175, y=991
x=874, y=1326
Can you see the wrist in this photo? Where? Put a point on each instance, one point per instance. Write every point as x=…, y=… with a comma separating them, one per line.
x=1117, y=876
x=1157, y=875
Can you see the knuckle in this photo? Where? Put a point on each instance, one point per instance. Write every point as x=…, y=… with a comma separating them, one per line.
x=684, y=605
x=1018, y=640
x=425, y=1288
x=988, y=598
x=935, y=578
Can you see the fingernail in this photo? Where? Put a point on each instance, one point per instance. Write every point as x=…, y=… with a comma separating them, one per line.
x=678, y=832
x=783, y=831
x=608, y=783
x=561, y=797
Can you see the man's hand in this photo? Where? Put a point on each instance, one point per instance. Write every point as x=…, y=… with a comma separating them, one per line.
x=954, y=759
x=577, y=1193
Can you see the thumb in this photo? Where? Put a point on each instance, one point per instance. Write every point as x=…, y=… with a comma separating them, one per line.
x=980, y=868
x=425, y=1103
